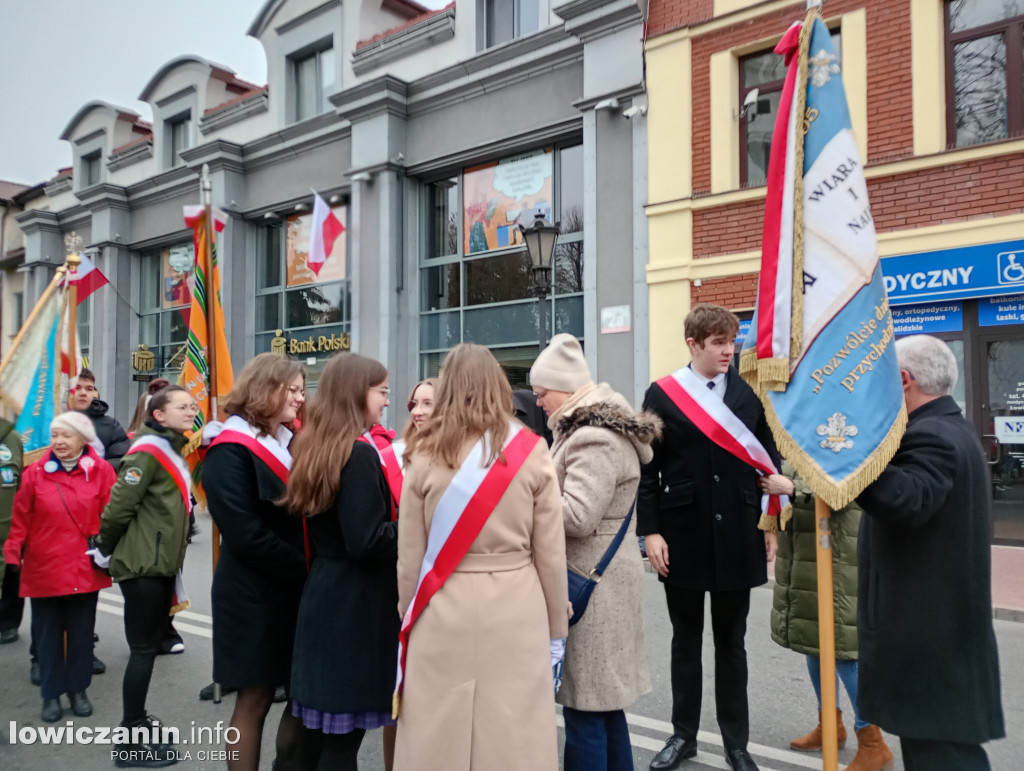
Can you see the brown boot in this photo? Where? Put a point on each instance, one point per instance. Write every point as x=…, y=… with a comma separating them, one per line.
x=873, y=754
x=812, y=741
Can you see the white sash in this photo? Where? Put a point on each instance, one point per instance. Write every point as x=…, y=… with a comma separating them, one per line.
x=275, y=445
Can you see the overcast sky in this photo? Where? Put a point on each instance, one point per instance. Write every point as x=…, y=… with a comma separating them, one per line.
x=57, y=55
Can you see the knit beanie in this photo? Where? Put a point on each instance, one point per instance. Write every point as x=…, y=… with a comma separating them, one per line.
x=561, y=366
x=77, y=422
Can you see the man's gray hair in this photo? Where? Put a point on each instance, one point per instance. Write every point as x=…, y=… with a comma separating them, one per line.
x=930, y=362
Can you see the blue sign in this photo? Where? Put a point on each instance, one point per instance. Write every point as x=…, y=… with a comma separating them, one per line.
x=928, y=318
x=951, y=274
x=998, y=311
x=744, y=330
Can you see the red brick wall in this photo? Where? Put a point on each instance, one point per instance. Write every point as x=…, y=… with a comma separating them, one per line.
x=888, y=57
x=728, y=229
x=667, y=15
x=731, y=291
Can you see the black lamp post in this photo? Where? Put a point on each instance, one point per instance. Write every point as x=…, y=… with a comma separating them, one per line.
x=540, y=239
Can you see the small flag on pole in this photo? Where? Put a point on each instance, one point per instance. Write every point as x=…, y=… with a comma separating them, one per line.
x=88, y=278
x=324, y=232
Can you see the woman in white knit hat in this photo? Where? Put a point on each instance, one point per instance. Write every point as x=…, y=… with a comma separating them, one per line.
x=56, y=511
x=599, y=444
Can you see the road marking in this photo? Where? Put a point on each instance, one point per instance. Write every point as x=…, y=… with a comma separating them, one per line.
x=115, y=610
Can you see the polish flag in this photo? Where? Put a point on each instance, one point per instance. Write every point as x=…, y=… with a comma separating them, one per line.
x=87, y=279
x=324, y=232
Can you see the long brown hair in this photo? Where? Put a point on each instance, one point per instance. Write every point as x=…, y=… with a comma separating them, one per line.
x=474, y=397
x=140, y=408
x=260, y=391
x=410, y=429
x=335, y=419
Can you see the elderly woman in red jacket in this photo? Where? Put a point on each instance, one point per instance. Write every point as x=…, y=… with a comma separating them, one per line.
x=56, y=510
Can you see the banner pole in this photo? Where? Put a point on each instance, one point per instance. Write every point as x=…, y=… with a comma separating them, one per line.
x=826, y=635
x=206, y=184
x=73, y=260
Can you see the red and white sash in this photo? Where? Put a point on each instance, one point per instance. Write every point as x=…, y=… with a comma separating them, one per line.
x=720, y=424
x=392, y=470
x=461, y=513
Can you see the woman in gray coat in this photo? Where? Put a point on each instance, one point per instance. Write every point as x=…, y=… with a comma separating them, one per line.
x=599, y=444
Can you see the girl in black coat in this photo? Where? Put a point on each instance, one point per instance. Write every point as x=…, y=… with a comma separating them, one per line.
x=259, y=575
x=346, y=643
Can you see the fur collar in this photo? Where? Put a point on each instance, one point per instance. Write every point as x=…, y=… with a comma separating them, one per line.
x=642, y=427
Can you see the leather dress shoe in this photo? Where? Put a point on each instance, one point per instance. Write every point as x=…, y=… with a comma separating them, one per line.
x=51, y=710
x=98, y=667
x=33, y=673
x=80, y=704
x=8, y=636
x=740, y=760
x=676, y=750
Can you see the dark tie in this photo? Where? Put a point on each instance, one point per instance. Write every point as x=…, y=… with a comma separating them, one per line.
x=711, y=385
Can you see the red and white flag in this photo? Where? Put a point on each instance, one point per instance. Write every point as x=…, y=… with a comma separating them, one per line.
x=324, y=232
x=87, y=278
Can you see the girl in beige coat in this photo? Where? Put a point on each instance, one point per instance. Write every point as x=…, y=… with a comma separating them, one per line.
x=599, y=445
x=478, y=691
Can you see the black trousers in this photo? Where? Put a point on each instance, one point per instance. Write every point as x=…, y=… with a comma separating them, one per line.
x=927, y=755
x=12, y=606
x=147, y=603
x=729, y=624
x=52, y=617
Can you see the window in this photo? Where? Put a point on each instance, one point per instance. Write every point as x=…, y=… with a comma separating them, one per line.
x=765, y=72
x=313, y=80
x=985, y=75
x=82, y=327
x=165, y=304
x=506, y=20
x=18, y=312
x=475, y=279
x=179, y=138
x=91, y=169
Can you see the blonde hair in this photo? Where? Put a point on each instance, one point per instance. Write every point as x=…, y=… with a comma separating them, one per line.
x=335, y=419
x=410, y=429
x=473, y=398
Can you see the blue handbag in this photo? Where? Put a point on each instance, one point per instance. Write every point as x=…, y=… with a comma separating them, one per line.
x=581, y=587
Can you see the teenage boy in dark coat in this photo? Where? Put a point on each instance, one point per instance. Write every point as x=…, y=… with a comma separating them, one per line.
x=108, y=430
x=699, y=508
x=929, y=668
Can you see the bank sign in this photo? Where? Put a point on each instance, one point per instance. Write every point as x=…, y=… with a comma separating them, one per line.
x=952, y=274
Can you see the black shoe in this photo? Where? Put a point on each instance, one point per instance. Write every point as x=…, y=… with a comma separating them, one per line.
x=98, y=667
x=171, y=645
x=740, y=760
x=51, y=710
x=280, y=694
x=676, y=750
x=206, y=693
x=33, y=673
x=80, y=704
x=8, y=636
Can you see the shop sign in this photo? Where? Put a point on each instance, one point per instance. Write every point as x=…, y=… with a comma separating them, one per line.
x=986, y=270
x=311, y=344
x=744, y=330
x=1009, y=429
x=928, y=318
x=998, y=311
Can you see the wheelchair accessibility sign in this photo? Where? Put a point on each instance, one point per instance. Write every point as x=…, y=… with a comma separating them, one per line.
x=1011, y=268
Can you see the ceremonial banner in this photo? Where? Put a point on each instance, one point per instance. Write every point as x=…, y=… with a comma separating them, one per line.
x=23, y=363
x=195, y=375
x=819, y=353
x=39, y=403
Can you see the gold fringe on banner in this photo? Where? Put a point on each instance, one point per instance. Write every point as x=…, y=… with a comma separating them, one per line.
x=796, y=332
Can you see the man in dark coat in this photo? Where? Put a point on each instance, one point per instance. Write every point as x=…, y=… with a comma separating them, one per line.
x=108, y=430
x=929, y=669
x=699, y=507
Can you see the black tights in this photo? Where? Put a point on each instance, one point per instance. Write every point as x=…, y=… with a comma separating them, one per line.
x=331, y=752
x=147, y=603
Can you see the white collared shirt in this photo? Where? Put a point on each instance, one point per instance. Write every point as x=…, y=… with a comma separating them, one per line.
x=718, y=380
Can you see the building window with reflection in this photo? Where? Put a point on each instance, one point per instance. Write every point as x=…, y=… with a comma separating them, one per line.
x=985, y=71
x=179, y=138
x=298, y=312
x=476, y=284
x=505, y=20
x=165, y=301
x=313, y=80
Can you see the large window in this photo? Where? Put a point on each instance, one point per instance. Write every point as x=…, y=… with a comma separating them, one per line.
x=506, y=20
x=985, y=72
x=313, y=80
x=179, y=138
x=18, y=311
x=91, y=169
x=764, y=73
x=165, y=301
x=475, y=279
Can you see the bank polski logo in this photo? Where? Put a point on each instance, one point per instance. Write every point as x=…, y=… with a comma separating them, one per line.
x=1011, y=267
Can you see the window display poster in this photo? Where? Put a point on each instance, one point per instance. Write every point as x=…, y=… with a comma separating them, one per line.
x=497, y=197
x=177, y=275
x=297, y=250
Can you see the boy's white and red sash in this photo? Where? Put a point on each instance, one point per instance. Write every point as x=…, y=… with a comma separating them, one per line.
x=461, y=513
x=719, y=424
x=172, y=462
x=272, y=450
x=392, y=470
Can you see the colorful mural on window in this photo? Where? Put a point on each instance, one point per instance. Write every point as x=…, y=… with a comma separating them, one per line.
x=497, y=197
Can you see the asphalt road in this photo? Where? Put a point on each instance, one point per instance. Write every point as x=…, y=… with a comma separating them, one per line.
x=782, y=703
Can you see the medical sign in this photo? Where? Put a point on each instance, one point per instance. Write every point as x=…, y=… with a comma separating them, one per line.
x=951, y=274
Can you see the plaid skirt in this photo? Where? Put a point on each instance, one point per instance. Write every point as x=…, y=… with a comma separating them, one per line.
x=340, y=722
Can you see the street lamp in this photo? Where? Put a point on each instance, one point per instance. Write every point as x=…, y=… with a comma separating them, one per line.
x=540, y=239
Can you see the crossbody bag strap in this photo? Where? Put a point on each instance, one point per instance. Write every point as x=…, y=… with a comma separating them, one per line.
x=614, y=545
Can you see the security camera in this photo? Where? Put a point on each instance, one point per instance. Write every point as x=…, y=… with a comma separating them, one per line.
x=632, y=112
x=751, y=108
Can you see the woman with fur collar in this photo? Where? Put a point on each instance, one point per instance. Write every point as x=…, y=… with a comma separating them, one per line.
x=599, y=444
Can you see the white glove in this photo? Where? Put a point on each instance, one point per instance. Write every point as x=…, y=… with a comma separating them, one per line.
x=100, y=559
x=557, y=651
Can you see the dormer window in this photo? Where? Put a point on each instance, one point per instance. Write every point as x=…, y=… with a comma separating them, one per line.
x=91, y=169
x=506, y=20
x=178, y=133
x=313, y=80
